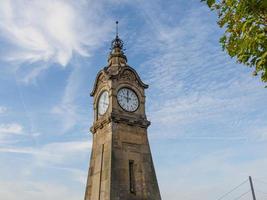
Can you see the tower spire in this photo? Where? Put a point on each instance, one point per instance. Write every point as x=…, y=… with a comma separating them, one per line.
x=117, y=42
x=117, y=29
x=116, y=55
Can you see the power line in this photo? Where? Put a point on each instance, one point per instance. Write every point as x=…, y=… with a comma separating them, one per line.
x=261, y=192
x=232, y=190
x=239, y=197
x=259, y=180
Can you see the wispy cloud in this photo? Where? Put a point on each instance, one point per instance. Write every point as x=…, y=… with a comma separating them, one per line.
x=38, y=168
x=41, y=30
x=3, y=109
x=41, y=190
x=62, y=152
x=50, y=31
x=260, y=132
x=193, y=83
x=210, y=182
x=38, y=171
x=10, y=132
x=52, y=153
x=67, y=111
x=12, y=128
x=198, y=97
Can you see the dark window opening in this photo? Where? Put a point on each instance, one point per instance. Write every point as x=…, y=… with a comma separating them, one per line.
x=131, y=176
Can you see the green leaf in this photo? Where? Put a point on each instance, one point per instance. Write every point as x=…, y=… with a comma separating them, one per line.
x=210, y=2
x=245, y=25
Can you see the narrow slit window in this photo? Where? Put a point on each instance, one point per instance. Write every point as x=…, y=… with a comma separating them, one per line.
x=131, y=176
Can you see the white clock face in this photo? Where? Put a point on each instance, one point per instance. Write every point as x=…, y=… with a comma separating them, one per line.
x=127, y=99
x=103, y=103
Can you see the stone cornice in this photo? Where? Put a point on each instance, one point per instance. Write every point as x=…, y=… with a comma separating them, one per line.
x=138, y=121
x=99, y=124
x=118, y=118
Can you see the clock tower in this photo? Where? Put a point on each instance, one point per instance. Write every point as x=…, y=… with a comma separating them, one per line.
x=121, y=165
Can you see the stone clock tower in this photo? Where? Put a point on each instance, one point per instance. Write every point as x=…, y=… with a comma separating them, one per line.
x=121, y=166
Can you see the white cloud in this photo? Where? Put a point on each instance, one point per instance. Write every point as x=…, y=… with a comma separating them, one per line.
x=50, y=31
x=43, y=171
x=67, y=114
x=67, y=111
x=10, y=133
x=259, y=132
x=41, y=190
x=52, y=153
x=189, y=80
x=42, y=30
x=193, y=83
x=210, y=176
x=12, y=128
x=2, y=109
x=62, y=152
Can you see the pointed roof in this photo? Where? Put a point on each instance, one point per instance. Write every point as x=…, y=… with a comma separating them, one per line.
x=117, y=63
x=116, y=55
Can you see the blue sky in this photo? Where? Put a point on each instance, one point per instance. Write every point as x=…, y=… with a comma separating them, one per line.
x=208, y=114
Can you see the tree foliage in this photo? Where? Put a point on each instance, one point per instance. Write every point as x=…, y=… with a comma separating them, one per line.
x=245, y=36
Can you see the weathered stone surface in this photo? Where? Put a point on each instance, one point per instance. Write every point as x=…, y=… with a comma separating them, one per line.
x=120, y=137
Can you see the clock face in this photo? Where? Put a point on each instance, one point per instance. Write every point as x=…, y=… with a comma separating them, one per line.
x=128, y=99
x=103, y=103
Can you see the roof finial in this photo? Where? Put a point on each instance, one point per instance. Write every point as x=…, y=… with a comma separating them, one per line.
x=117, y=42
x=117, y=29
x=117, y=48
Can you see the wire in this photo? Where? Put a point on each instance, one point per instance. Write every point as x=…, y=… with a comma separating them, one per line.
x=261, y=191
x=232, y=190
x=242, y=195
x=259, y=180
